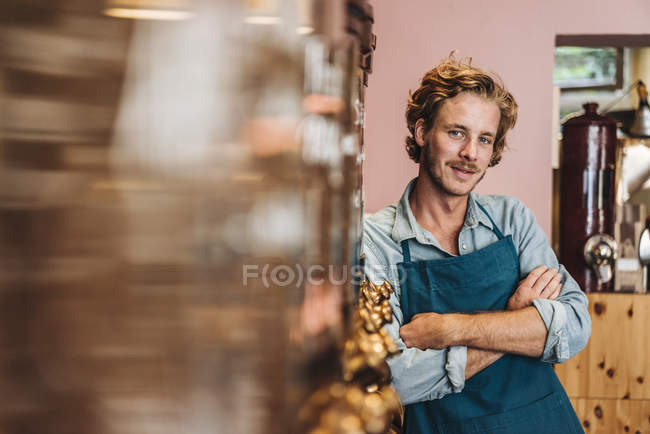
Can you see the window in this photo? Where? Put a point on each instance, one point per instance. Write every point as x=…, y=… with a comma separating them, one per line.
x=588, y=68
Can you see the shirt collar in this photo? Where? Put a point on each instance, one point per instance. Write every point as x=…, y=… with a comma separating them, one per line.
x=474, y=214
x=406, y=227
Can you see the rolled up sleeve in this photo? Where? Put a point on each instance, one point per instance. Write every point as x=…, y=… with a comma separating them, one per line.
x=554, y=316
x=567, y=321
x=423, y=375
x=567, y=317
x=418, y=375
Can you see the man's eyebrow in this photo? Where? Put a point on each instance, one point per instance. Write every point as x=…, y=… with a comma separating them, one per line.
x=457, y=126
x=464, y=128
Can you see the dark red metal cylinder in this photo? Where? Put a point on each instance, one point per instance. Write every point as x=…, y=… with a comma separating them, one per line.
x=588, y=161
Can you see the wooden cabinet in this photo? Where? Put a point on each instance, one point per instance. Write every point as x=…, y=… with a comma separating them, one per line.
x=611, y=416
x=609, y=381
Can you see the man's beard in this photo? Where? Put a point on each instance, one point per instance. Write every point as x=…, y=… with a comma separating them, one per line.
x=437, y=179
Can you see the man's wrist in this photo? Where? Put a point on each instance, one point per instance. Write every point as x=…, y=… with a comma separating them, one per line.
x=460, y=327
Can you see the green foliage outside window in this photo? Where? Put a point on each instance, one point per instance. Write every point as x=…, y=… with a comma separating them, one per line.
x=587, y=67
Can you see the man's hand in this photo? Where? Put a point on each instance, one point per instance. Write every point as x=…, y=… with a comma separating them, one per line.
x=542, y=282
x=429, y=330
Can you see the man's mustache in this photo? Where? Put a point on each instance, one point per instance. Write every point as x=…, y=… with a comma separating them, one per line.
x=463, y=166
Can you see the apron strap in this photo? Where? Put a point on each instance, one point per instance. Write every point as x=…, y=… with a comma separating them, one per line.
x=495, y=228
x=406, y=251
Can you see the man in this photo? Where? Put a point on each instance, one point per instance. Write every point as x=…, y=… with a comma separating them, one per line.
x=481, y=306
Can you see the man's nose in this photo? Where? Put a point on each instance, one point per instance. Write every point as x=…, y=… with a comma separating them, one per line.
x=469, y=151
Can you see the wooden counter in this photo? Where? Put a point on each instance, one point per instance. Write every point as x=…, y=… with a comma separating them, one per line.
x=609, y=381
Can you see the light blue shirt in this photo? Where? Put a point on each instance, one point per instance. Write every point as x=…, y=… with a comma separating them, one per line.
x=431, y=374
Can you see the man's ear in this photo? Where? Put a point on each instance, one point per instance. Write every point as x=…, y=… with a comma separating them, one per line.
x=419, y=132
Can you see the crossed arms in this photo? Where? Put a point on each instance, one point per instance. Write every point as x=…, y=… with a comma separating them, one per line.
x=439, y=352
x=489, y=335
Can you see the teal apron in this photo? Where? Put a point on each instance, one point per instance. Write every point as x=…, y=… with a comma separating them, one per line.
x=516, y=394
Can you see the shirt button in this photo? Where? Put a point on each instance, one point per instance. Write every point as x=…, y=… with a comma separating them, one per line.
x=473, y=221
x=464, y=246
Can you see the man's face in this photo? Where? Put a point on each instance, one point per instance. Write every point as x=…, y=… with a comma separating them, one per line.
x=457, y=150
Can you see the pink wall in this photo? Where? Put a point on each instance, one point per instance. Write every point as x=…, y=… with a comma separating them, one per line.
x=515, y=38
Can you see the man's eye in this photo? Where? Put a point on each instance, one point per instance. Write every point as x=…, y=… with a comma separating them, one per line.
x=485, y=140
x=455, y=133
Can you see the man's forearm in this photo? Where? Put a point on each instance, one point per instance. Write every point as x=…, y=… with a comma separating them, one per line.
x=478, y=359
x=520, y=332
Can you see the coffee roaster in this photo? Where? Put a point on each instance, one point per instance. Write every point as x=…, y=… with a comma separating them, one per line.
x=588, y=161
x=602, y=223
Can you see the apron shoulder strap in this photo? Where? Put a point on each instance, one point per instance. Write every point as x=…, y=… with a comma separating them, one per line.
x=495, y=228
x=406, y=251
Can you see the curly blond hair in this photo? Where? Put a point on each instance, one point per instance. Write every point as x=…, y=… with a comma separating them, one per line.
x=447, y=80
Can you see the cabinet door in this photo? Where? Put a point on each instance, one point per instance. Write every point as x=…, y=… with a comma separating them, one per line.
x=609, y=416
x=616, y=362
